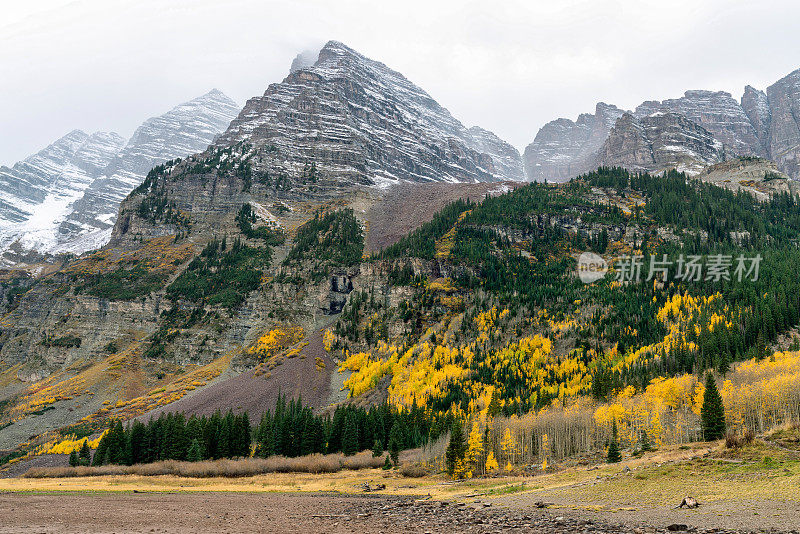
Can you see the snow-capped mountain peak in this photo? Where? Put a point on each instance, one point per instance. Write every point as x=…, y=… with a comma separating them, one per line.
x=65, y=197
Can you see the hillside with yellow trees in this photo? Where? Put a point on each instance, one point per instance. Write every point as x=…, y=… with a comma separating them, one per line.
x=478, y=318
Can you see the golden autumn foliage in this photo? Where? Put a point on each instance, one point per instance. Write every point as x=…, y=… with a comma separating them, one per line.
x=685, y=317
x=276, y=340
x=758, y=395
x=70, y=443
x=328, y=339
x=491, y=463
x=474, y=450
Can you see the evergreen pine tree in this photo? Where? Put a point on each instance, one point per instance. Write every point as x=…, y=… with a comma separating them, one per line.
x=377, y=448
x=85, y=454
x=101, y=452
x=195, y=453
x=307, y=439
x=646, y=445
x=73, y=459
x=614, y=456
x=350, y=437
x=395, y=442
x=712, y=414
x=456, y=449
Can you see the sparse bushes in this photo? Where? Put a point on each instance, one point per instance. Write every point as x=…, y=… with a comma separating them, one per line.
x=221, y=275
x=414, y=470
x=68, y=341
x=123, y=284
x=328, y=241
x=314, y=463
x=736, y=441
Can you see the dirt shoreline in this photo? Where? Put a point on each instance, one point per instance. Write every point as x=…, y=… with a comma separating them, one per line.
x=181, y=513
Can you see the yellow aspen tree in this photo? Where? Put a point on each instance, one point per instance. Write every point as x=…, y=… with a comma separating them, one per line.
x=508, y=446
x=545, y=450
x=491, y=463
x=474, y=448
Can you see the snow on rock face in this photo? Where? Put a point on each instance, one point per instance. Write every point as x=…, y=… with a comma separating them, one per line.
x=564, y=149
x=506, y=158
x=784, y=129
x=659, y=142
x=65, y=197
x=60, y=171
x=716, y=112
x=186, y=129
x=762, y=124
x=360, y=122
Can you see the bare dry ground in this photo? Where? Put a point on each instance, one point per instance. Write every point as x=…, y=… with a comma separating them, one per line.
x=753, y=488
x=180, y=513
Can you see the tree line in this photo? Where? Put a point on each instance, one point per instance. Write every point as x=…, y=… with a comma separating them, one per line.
x=292, y=429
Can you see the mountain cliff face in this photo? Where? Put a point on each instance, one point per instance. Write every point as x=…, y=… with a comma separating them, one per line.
x=659, y=142
x=65, y=198
x=322, y=138
x=506, y=158
x=784, y=131
x=762, y=124
x=55, y=175
x=564, y=149
x=361, y=122
x=186, y=129
x=718, y=113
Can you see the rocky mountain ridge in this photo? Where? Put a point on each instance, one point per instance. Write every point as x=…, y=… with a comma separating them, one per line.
x=65, y=198
x=362, y=122
x=762, y=124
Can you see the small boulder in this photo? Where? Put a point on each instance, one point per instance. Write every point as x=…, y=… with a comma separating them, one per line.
x=676, y=527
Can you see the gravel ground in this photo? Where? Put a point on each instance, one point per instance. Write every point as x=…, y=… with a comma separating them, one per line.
x=276, y=513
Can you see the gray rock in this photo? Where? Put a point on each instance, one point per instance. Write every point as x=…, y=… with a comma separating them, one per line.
x=361, y=122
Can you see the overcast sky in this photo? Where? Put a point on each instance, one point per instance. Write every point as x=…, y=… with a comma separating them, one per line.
x=507, y=66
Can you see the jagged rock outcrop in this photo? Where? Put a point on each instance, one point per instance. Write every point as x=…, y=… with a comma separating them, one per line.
x=658, y=142
x=563, y=149
x=756, y=105
x=759, y=177
x=718, y=113
x=359, y=121
x=65, y=198
x=762, y=124
x=784, y=131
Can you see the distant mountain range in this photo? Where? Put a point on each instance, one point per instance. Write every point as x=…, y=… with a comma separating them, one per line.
x=359, y=121
x=65, y=197
x=689, y=133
